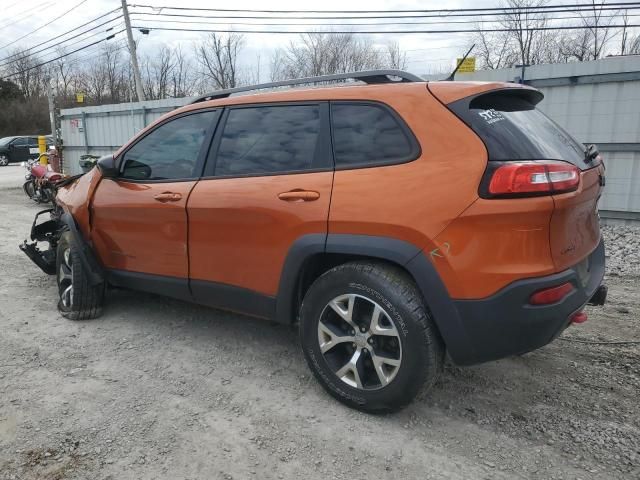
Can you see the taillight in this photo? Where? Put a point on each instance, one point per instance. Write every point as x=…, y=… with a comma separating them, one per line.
x=530, y=178
x=551, y=295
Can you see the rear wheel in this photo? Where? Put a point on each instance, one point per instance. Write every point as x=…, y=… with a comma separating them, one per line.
x=29, y=189
x=368, y=338
x=78, y=299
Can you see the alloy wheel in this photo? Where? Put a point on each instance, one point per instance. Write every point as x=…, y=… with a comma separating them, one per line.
x=359, y=342
x=65, y=279
x=4, y=161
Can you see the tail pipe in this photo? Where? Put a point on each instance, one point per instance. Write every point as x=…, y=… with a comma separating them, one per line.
x=600, y=296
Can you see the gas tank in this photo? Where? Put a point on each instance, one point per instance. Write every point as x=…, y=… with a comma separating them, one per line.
x=39, y=171
x=52, y=176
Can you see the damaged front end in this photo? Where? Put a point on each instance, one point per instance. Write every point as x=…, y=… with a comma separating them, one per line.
x=48, y=231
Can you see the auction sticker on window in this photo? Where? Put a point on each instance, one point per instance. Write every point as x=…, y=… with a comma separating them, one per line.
x=491, y=116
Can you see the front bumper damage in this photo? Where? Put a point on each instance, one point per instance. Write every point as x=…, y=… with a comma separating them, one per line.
x=44, y=231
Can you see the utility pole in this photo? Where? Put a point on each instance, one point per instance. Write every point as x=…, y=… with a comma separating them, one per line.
x=52, y=112
x=132, y=51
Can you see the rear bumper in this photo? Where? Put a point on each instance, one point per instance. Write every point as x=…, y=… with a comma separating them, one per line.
x=505, y=324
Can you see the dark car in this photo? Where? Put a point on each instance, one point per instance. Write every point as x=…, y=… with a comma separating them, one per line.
x=19, y=149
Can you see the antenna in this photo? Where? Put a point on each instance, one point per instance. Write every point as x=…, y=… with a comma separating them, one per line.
x=453, y=74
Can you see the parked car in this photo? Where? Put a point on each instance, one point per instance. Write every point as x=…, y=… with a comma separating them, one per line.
x=393, y=221
x=19, y=149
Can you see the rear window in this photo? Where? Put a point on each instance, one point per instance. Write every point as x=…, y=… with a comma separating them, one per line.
x=512, y=128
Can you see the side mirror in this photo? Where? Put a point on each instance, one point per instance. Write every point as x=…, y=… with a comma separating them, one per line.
x=107, y=166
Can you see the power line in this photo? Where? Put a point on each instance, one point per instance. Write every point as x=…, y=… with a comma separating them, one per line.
x=70, y=31
x=63, y=56
x=66, y=46
x=45, y=25
x=376, y=17
x=621, y=5
x=26, y=14
x=374, y=32
x=260, y=24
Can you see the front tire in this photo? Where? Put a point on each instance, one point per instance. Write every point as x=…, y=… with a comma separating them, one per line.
x=4, y=160
x=368, y=337
x=78, y=299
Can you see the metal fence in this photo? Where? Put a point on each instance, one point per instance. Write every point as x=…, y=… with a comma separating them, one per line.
x=598, y=102
x=102, y=130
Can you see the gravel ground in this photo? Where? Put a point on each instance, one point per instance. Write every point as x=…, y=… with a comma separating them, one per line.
x=157, y=388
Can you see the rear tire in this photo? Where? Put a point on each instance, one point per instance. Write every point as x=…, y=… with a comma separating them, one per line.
x=29, y=189
x=368, y=337
x=78, y=299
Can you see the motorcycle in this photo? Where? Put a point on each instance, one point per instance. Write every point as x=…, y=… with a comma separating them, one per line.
x=40, y=181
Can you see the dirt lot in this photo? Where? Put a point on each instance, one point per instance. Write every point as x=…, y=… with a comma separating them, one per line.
x=158, y=388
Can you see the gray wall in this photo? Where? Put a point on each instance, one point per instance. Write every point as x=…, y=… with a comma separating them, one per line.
x=102, y=130
x=597, y=102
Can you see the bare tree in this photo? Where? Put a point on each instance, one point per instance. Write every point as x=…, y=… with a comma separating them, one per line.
x=598, y=25
x=395, y=57
x=217, y=55
x=324, y=53
x=494, y=49
x=182, y=79
x=157, y=73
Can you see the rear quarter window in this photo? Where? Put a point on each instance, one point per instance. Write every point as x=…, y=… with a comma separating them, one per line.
x=367, y=134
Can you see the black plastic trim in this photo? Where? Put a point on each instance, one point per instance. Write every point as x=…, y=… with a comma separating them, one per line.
x=235, y=299
x=174, y=287
x=300, y=251
x=212, y=294
x=95, y=273
x=506, y=324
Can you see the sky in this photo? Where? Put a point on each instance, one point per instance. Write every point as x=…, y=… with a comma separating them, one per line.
x=425, y=53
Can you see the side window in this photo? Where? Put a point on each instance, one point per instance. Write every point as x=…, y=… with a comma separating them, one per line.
x=20, y=142
x=170, y=151
x=269, y=139
x=368, y=134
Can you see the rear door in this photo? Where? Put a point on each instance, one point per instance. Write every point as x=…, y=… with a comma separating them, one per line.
x=513, y=130
x=268, y=182
x=19, y=150
x=139, y=220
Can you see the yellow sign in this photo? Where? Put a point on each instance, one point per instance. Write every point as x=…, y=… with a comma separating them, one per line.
x=80, y=97
x=468, y=66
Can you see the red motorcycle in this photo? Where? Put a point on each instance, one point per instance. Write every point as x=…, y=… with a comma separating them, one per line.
x=40, y=181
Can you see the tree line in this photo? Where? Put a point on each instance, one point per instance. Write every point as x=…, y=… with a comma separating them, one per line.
x=104, y=75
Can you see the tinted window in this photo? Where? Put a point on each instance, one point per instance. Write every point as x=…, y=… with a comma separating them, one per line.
x=170, y=151
x=513, y=128
x=20, y=141
x=259, y=140
x=367, y=134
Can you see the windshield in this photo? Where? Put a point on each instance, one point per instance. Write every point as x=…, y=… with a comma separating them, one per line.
x=512, y=128
x=5, y=141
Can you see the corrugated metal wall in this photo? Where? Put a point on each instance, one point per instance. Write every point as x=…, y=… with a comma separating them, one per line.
x=102, y=130
x=597, y=102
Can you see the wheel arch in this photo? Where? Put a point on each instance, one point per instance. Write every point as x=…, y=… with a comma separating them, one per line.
x=312, y=255
x=95, y=273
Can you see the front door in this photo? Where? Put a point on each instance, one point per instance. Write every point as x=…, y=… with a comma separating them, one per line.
x=270, y=185
x=139, y=220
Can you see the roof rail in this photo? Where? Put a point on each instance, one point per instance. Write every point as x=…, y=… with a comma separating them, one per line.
x=368, y=76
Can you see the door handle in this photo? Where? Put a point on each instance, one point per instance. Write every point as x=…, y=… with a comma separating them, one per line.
x=167, y=197
x=299, y=196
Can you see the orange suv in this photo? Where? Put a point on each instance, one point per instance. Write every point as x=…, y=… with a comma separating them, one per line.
x=395, y=221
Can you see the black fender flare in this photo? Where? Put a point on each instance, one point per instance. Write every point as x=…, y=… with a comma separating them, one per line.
x=95, y=273
x=404, y=254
